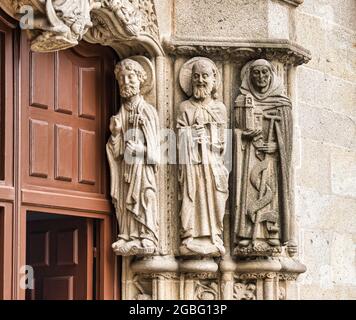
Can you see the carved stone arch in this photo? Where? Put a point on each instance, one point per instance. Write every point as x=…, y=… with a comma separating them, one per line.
x=137, y=35
x=128, y=26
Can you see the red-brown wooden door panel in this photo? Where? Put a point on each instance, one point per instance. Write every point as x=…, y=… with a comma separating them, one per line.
x=65, y=115
x=60, y=250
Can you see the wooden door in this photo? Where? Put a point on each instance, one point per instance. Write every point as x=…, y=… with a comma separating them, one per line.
x=60, y=250
x=54, y=116
x=67, y=100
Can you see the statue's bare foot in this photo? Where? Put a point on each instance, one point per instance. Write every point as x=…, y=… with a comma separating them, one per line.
x=131, y=246
x=244, y=243
x=125, y=248
x=148, y=246
x=118, y=244
x=274, y=242
x=186, y=241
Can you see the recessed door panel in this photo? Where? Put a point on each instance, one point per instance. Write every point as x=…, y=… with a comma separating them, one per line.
x=60, y=251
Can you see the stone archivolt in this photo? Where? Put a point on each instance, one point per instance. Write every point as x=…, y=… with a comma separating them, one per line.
x=182, y=249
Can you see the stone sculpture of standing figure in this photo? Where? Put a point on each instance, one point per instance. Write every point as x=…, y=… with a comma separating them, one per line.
x=202, y=175
x=263, y=160
x=133, y=152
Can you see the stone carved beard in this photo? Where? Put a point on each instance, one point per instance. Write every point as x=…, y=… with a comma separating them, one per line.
x=202, y=91
x=129, y=90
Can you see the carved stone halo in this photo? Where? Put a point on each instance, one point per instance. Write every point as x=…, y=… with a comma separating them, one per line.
x=185, y=74
x=147, y=86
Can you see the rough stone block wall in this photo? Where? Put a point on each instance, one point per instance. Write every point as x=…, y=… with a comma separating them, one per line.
x=326, y=148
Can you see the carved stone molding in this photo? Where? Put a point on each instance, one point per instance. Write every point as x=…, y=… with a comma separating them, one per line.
x=288, y=276
x=201, y=276
x=167, y=276
x=256, y=275
x=285, y=51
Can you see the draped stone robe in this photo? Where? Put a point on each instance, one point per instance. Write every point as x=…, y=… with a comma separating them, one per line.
x=203, y=187
x=272, y=203
x=133, y=185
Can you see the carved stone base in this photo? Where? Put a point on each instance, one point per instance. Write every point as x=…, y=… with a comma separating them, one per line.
x=130, y=248
x=204, y=265
x=258, y=249
x=267, y=279
x=155, y=264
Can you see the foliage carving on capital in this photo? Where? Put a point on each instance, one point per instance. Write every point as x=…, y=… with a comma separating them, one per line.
x=244, y=290
x=205, y=290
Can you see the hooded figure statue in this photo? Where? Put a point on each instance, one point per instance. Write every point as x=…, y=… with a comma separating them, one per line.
x=263, y=160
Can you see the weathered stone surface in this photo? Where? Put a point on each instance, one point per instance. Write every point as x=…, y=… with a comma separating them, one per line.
x=321, y=89
x=343, y=269
x=320, y=211
x=314, y=166
x=326, y=126
x=343, y=173
x=278, y=20
x=315, y=292
x=330, y=45
x=341, y=11
x=316, y=255
x=219, y=19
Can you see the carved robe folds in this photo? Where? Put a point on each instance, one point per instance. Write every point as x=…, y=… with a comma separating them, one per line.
x=133, y=152
x=263, y=157
x=203, y=177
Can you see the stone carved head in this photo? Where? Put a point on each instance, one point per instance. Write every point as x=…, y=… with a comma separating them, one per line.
x=199, y=77
x=134, y=75
x=261, y=75
x=203, y=80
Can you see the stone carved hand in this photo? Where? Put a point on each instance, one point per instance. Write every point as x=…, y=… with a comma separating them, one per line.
x=269, y=147
x=135, y=148
x=250, y=134
x=199, y=133
x=115, y=126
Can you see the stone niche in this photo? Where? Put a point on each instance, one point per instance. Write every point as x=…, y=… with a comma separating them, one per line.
x=209, y=70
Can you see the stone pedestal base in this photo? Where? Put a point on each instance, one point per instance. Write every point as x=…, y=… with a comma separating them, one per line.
x=196, y=278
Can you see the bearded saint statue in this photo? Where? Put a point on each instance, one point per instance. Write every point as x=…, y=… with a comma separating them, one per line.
x=133, y=151
x=263, y=138
x=201, y=145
